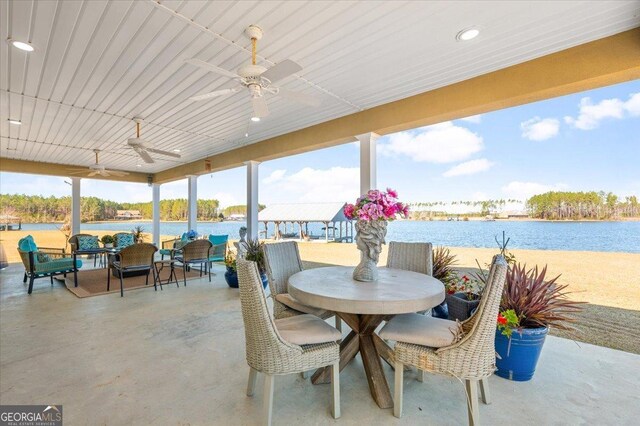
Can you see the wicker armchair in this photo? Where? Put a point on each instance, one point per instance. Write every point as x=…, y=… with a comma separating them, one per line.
x=282, y=261
x=268, y=352
x=194, y=252
x=73, y=241
x=136, y=257
x=168, y=245
x=44, y=261
x=470, y=354
x=416, y=257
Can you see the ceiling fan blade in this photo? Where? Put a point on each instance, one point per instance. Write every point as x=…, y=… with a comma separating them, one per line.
x=281, y=70
x=144, y=155
x=93, y=173
x=79, y=172
x=161, y=152
x=302, y=98
x=209, y=67
x=260, y=108
x=115, y=173
x=213, y=94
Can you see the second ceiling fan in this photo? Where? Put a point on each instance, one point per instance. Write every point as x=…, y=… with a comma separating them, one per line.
x=257, y=79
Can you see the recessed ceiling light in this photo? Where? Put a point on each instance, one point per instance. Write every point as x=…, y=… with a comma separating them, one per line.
x=26, y=46
x=255, y=119
x=246, y=135
x=16, y=122
x=176, y=150
x=468, y=34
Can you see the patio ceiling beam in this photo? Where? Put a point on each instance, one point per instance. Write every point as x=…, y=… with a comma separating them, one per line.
x=602, y=62
x=51, y=169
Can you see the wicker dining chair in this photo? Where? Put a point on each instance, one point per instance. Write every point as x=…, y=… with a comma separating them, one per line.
x=282, y=261
x=136, y=257
x=270, y=349
x=464, y=350
x=416, y=257
x=194, y=253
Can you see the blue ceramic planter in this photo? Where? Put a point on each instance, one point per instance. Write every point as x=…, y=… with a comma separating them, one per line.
x=231, y=277
x=519, y=357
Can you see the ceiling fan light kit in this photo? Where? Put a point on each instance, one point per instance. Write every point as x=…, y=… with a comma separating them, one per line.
x=257, y=79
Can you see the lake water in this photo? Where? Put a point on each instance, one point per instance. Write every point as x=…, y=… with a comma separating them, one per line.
x=586, y=236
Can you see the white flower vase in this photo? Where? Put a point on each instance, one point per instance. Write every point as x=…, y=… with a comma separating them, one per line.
x=369, y=240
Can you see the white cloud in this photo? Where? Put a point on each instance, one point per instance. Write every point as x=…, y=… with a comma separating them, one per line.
x=440, y=143
x=314, y=185
x=475, y=119
x=592, y=114
x=225, y=199
x=469, y=168
x=540, y=129
x=275, y=176
x=523, y=190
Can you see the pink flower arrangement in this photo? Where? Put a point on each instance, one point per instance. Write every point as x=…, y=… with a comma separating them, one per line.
x=377, y=205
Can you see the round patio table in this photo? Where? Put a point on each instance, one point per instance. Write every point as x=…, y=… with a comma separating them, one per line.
x=363, y=306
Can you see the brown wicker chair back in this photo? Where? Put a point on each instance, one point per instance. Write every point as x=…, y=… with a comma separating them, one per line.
x=137, y=255
x=196, y=250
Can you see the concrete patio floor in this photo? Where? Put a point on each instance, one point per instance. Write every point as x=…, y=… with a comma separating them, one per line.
x=177, y=357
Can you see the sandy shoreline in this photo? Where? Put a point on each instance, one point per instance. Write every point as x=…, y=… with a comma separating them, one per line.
x=607, y=281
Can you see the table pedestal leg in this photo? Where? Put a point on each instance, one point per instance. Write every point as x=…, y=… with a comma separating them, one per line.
x=371, y=347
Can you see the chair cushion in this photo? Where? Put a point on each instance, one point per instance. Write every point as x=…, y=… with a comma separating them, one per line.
x=290, y=302
x=421, y=330
x=64, y=264
x=165, y=252
x=124, y=240
x=218, y=239
x=27, y=244
x=88, y=243
x=306, y=330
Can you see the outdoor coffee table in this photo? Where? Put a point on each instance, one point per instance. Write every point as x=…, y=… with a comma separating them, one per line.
x=363, y=306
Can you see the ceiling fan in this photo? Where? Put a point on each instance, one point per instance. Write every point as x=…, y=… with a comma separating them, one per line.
x=257, y=79
x=143, y=148
x=96, y=169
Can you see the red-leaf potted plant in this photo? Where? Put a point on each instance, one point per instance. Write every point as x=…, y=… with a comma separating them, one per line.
x=530, y=305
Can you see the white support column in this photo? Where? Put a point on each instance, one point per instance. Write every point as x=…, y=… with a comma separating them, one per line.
x=155, y=196
x=368, y=169
x=75, y=205
x=252, y=199
x=192, y=203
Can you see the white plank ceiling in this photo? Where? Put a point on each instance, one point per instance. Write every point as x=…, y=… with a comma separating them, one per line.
x=98, y=64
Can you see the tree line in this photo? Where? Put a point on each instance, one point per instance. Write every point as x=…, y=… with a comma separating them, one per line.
x=36, y=208
x=556, y=205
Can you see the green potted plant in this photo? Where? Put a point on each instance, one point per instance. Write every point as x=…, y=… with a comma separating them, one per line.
x=530, y=305
x=231, y=275
x=107, y=241
x=255, y=253
x=138, y=234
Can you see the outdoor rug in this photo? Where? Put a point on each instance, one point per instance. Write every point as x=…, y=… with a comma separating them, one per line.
x=93, y=282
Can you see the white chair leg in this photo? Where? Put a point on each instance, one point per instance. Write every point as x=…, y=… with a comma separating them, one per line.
x=339, y=324
x=305, y=375
x=335, y=390
x=251, y=386
x=484, y=391
x=267, y=399
x=422, y=376
x=397, y=397
x=472, y=401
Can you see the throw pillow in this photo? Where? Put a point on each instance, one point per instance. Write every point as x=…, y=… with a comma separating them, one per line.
x=88, y=243
x=124, y=240
x=27, y=244
x=43, y=258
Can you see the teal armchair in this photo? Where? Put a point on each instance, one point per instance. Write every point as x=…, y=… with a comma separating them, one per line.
x=218, y=249
x=44, y=261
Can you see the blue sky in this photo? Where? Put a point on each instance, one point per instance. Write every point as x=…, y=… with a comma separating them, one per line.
x=585, y=141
